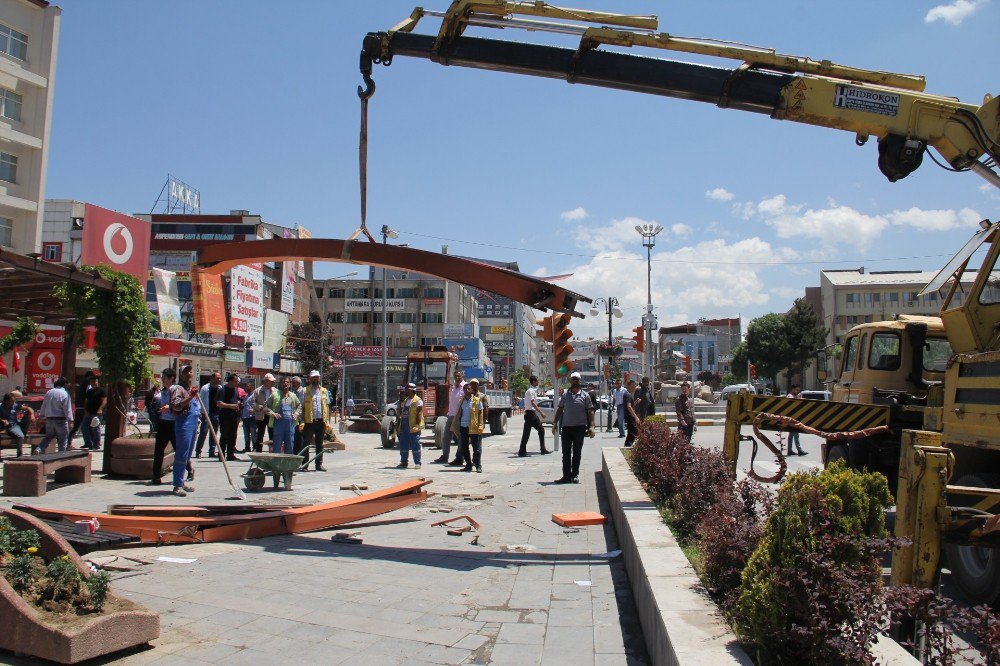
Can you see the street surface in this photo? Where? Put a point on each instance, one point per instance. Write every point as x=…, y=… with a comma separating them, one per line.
x=409, y=593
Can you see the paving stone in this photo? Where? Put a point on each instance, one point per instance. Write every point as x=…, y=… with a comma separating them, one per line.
x=533, y=634
x=516, y=654
x=497, y=616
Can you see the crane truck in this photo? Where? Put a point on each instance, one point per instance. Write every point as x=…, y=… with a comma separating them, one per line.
x=946, y=427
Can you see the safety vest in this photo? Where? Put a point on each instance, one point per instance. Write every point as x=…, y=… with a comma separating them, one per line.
x=415, y=416
x=307, y=404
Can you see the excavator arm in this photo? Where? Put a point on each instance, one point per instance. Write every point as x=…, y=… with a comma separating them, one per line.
x=891, y=107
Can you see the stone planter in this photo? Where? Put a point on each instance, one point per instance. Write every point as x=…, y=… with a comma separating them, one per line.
x=133, y=457
x=68, y=638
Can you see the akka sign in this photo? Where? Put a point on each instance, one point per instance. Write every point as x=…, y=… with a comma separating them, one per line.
x=115, y=240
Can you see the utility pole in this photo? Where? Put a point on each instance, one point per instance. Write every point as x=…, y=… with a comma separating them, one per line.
x=649, y=233
x=387, y=233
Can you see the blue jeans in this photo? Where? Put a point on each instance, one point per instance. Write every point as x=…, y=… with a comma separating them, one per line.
x=408, y=441
x=449, y=437
x=91, y=434
x=793, y=438
x=204, y=433
x=249, y=433
x=620, y=415
x=284, y=436
x=184, y=432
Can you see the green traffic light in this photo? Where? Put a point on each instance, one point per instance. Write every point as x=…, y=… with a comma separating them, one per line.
x=562, y=370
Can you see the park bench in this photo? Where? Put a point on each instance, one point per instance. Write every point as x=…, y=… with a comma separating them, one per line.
x=27, y=476
x=10, y=443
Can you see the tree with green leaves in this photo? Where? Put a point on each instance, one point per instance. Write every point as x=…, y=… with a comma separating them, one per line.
x=519, y=382
x=767, y=346
x=304, y=339
x=804, y=334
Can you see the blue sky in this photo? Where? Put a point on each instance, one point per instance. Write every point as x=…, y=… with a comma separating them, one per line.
x=254, y=103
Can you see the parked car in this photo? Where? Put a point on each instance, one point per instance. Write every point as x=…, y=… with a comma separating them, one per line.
x=364, y=406
x=815, y=395
x=735, y=388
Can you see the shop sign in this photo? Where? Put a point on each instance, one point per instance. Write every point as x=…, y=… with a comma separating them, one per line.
x=503, y=330
x=44, y=366
x=367, y=304
x=233, y=356
x=362, y=351
x=196, y=350
x=433, y=301
x=164, y=347
x=246, y=307
x=263, y=360
x=459, y=331
x=236, y=341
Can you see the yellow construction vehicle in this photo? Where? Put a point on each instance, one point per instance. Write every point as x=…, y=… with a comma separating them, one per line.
x=908, y=420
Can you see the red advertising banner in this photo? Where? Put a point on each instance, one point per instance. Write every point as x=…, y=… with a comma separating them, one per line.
x=43, y=369
x=209, y=305
x=361, y=351
x=116, y=240
x=164, y=347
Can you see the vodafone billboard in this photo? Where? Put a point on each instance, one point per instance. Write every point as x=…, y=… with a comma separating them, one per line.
x=116, y=240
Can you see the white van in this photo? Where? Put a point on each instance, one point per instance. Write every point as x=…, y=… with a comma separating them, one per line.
x=735, y=388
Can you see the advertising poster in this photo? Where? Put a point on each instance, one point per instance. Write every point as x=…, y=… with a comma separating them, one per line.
x=167, y=303
x=116, y=240
x=275, y=326
x=44, y=366
x=288, y=269
x=246, y=303
x=209, y=305
x=303, y=233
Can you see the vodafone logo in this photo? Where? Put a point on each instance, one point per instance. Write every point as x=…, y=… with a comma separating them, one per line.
x=46, y=361
x=40, y=338
x=118, y=236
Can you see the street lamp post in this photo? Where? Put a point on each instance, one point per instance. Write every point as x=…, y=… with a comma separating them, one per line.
x=611, y=307
x=387, y=233
x=649, y=233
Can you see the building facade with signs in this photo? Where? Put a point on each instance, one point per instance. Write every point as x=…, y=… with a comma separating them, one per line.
x=708, y=343
x=419, y=309
x=29, y=46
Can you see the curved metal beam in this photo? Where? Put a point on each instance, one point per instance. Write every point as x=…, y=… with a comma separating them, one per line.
x=220, y=257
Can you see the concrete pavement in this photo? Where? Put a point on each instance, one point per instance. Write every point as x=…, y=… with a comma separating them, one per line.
x=528, y=592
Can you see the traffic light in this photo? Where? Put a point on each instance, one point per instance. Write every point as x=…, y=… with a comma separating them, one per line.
x=545, y=332
x=753, y=372
x=561, y=349
x=687, y=364
x=640, y=338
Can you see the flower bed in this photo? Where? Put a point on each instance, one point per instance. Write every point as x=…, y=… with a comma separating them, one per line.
x=52, y=606
x=797, y=575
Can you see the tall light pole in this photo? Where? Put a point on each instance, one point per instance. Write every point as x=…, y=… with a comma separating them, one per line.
x=387, y=233
x=649, y=233
x=611, y=307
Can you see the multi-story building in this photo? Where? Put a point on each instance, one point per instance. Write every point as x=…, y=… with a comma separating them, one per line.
x=29, y=35
x=418, y=309
x=852, y=297
x=708, y=343
x=592, y=366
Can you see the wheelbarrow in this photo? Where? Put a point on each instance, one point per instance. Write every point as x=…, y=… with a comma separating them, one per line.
x=276, y=464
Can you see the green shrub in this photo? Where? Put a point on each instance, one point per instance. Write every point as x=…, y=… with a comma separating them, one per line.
x=97, y=586
x=812, y=589
x=62, y=580
x=656, y=418
x=21, y=572
x=20, y=541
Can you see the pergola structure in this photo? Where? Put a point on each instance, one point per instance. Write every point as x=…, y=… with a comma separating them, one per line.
x=27, y=286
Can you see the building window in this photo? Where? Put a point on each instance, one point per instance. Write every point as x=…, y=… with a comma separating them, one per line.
x=405, y=292
x=357, y=317
x=13, y=43
x=334, y=317
x=6, y=231
x=8, y=167
x=357, y=340
x=52, y=251
x=10, y=104
x=404, y=318
x=852, y=299
x=893, y=297
x=429, y=341
x=433, y=292
x=432, y=317
x=357, y=292
x=335, y=293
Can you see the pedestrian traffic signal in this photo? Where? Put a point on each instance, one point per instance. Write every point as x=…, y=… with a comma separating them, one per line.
x=561, y=349
x=640, y=339
x=545, y=332
x=753, y=372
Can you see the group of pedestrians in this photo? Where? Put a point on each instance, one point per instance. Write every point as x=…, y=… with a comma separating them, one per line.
x=294, y=417
x=62, y=420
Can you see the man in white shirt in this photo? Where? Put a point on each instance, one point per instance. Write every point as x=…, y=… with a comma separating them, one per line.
x=455, y=397
x=57, y=410
x=619, y=397
x=532, y=419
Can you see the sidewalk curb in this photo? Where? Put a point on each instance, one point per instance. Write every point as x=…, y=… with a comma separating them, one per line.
x=666, y=587
x=680, y=623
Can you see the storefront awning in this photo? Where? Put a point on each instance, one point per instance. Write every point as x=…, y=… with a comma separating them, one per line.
x=27, y=283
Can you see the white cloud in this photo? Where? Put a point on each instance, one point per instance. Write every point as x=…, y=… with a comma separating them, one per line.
x=719, y=194
x=935, y=220
x=575, y=215
x=990, y=191
x=617, y=235
x=954, y=12
x=681, y=230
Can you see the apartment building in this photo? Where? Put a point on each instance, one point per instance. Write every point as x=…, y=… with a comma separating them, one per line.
x=29, y=36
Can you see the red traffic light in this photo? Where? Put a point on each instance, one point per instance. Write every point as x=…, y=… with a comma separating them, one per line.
x=640, y=339
x=561, y=349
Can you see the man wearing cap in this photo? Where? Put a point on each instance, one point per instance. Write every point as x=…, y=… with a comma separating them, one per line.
x=261, y=399
x=412, y=422
x=454, y=400
x=315, y=414
x=576, y=416
x=532, y=418
x=469, y=423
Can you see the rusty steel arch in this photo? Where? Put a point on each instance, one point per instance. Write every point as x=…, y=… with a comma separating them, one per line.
x=539, y=294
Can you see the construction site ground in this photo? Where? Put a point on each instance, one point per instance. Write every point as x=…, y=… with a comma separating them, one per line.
x=520, y=590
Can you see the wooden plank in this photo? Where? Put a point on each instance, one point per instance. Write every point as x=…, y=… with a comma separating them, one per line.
x=578, y=519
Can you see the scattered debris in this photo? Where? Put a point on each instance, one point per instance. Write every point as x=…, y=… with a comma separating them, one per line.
x=583, y=583
x=517, y=548
x=111, y=562
x=516, y=483
x=608, y=556
x=578, y=519
x=572, y=530
x=467, y=496
x=475, y=541
x=532, y=526
x=356, y=487
x=345, y=537
x=459, y=531
x=472, y=522
x=441, y=510
x=177, y=560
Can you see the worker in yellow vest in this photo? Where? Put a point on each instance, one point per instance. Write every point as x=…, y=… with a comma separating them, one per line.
x=315, y=414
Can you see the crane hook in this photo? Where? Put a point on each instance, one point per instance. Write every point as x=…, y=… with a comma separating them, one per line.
x=366, y=74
